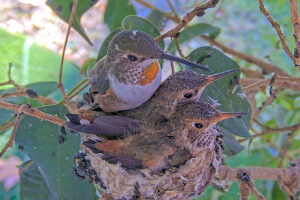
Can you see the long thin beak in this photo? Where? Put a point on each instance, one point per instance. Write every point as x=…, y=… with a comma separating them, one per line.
x=214, y=77
x=227, y=115
x=184, y=61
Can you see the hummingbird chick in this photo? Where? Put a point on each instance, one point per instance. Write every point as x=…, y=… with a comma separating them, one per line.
x=130, y=73
x=178, y=89
x=185, y=150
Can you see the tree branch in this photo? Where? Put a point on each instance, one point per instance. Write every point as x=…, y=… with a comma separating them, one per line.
x=148, y=5
x=187, y=18
x=288, y=178
x=266, y=67
x=296, y=25
x=277, y=28
x=34, y=112
x=10, y=142
x=28, y=93
x=60, y=86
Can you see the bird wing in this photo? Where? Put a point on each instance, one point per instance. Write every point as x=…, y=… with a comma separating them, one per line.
x=138, y=151
x=98, y=77
x=107, y=126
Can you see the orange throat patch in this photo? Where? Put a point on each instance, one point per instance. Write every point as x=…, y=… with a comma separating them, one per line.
x=149, y=74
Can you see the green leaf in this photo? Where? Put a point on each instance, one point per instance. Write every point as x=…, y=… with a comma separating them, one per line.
x=231, y=146
x=134, y=22
x=194, y=31
x=115, y=11
x=103, y=49
x=157, y=18
x=12, y=194
x=54, y=160
x=5, y=115
x=32, y=63
x=33, y=185
x=63, y=10
x=222, y=90
x=277, y=193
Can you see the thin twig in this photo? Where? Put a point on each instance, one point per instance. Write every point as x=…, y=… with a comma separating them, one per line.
x=60, y=86
x=187, y=18
x=8, y=124
x=286, y=147
x=77, y=86
x=80, y=90
x=267, y=67
x=277, y=28
x=25, y=167
x=10, y=80
x=296, y=25
x=10, y=142
x=269, y=100
x=148, y=5
x=173, y=10
x=288, y=178
x=179, y=48
x=268, y=131
x=277, y=148
x=34, y=112
x=23, y=92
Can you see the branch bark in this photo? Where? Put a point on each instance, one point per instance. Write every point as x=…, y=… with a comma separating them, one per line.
x=277, y=28
x=296, y=25
x=288, y=178
x=266, y=67
x=187, y=18
x=34, y=112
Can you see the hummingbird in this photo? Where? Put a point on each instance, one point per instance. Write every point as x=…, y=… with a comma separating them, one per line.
x=130, y=72
x=153, y=147
x=178, y=89
x=177, y=158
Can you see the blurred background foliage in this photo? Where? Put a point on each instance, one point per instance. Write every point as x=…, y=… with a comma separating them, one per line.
x=32, y=36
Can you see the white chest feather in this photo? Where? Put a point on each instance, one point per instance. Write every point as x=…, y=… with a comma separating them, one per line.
x=134, y=94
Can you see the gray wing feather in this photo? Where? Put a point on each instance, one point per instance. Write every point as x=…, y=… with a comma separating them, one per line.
x=98, y=77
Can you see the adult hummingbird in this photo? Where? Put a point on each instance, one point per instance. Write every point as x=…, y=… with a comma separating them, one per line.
x=178, y=89
x=130, y=73
x=177, y=158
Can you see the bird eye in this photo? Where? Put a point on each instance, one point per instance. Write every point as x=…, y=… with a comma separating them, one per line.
x=188, y=95
x=132, y=58
x=198, y=125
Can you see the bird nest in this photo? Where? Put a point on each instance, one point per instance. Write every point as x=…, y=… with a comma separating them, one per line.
x=188, y=180
x=168, y=148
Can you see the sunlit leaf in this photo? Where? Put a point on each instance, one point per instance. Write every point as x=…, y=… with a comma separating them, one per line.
x=157, y=18
x=54, y=160
x=63, y=10
x=116, y=11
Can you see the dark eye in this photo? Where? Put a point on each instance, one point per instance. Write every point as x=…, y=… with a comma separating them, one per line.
x=132, y=58
x=198, y=125
x=188, y=95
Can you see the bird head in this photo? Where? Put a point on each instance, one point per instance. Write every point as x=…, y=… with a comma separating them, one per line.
x=202, y=115
x=137, y=48
x=187, y=86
